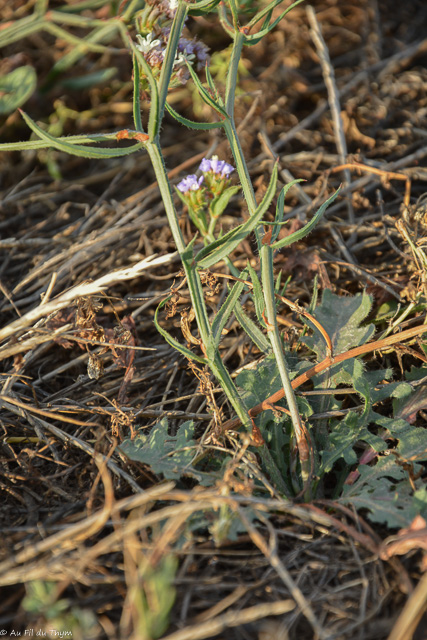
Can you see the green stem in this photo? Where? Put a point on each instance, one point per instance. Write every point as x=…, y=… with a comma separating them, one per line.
x=156, y=157
x=230, y=87
x=215, y=363
x=168, y=62
x=242, y=170
x=194, y=284
x=266, y=258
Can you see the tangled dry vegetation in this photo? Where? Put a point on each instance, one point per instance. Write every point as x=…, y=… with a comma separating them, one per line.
x=86, y=257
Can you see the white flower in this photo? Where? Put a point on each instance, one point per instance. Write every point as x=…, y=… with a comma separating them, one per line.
x=146, y=44
x=173, y=5
x=183, y=57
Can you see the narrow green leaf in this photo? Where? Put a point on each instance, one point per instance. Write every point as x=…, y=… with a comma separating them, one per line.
x=254, y=332
x=252, y=40
x=202, y=7
x=105, y=32
x=298, y=235
x=191, y=123
x=264, y=12
x=267, y=20
x=153, y=118
x=199, y=306
x=206, y=97
x=227, y=308
x=16, y=87
x=280, y=208
x=30, y=145
x=218, y=243
x=20, y=29
x=212, y=86
x=218, y=204
x=75, y=149
x=257, y=294
x=225, y=245
x=174, y=343
x=64, y=15
x=86, y=45
x=258, y=36
x=80, y=6
x=137, y=96
x=197, y=295
x=80, y=83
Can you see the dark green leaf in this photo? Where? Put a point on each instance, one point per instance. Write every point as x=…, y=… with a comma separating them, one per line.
x=301, y=233
x=78, y=150
x=191, y=123
x=166, y=455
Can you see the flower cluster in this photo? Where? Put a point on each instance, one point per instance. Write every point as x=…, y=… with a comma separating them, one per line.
x=213, y=170
x=217, y=174
x=153, y=47
x=190, y=183
x=201, y=194
x=216, y=166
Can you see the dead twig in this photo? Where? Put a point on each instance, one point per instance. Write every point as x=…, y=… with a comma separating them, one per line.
x=326, y=364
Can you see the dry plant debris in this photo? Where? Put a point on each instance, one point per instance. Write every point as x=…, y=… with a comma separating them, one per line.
x=96, y=544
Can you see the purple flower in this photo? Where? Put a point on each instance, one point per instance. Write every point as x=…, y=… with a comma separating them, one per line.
x=205, y=165
x=190, y=183
x=219, y=167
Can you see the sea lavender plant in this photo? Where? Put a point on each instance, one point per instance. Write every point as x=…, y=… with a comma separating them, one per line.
x=163, y=58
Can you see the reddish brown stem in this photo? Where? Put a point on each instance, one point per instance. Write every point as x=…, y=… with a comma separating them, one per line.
x=326, y=364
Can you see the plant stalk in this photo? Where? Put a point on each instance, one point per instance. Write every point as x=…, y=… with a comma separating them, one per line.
x=267, y=277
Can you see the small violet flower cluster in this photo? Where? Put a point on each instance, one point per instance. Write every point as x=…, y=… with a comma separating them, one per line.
x=198, y=193
x=213, y=170
x=153, y=47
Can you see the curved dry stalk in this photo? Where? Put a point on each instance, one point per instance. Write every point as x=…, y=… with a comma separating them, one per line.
x=326, y=364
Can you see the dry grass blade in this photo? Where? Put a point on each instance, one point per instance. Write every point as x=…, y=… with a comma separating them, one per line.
x=412, y=613
x=80, y=291
x=77, y=516
x=232, y=619
x=334, y=103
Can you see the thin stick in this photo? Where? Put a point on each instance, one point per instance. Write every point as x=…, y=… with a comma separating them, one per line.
x=81, y=290
x=412, y=612
x=389, y=175
x=77, y=442
x=333, y=96
x=326, y=364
